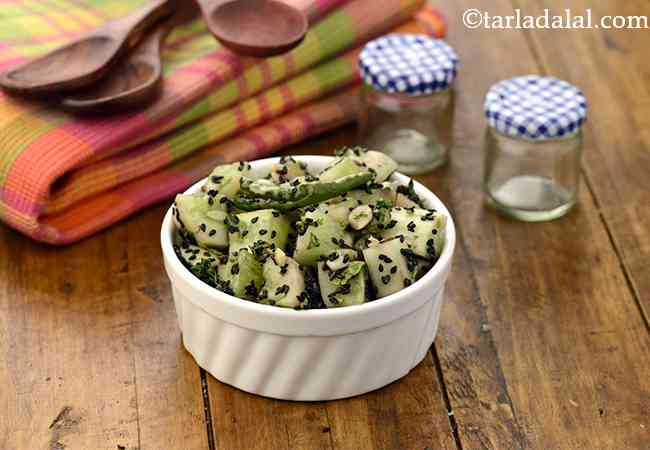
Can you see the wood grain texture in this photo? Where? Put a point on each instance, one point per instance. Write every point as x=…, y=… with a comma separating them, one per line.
x=542, y=344
x=91, y=357
x=615, y=73
x=564, y=342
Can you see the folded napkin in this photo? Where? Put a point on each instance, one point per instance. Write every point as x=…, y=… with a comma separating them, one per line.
x=64, y=177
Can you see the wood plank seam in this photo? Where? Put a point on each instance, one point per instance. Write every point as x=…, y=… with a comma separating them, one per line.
x=518, y=433
x=134, y=365
x=207, y=410
x=329, y=427
x=445, y=396
x=624, y=269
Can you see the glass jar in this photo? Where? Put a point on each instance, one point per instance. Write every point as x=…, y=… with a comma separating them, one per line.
x=407, y=100
x=533, y=147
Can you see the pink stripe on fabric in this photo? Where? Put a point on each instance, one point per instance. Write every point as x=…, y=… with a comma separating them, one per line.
x=307, y=120
x=19, y=203
x=102, y=133
x=287, y=96
x=257, y=140
x=284, y=132
x=263, y=105
x=7, y=63
x=265, y=69
x=242, y=85
x=240, y=117
x=289, y=63
x=233, y=61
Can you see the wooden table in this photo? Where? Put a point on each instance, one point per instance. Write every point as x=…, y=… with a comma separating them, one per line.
x=544, y=340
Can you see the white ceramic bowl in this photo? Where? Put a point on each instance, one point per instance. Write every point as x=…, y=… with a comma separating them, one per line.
x=313, y=354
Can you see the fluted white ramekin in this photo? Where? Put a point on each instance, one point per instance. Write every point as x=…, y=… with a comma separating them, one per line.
x=313, y=354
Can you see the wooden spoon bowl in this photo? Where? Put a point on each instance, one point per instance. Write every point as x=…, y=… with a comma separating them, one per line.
x=258, y=28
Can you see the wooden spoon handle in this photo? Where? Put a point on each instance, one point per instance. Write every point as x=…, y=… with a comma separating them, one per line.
x=133, y=26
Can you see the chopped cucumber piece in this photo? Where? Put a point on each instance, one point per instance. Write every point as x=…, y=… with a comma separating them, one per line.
x=287, y=169
x=195, y=215
x=339, y=211
x=343, y=287
x=225, y=179
x=374, y=193
x=284, y=281
x=340, y=259
x=340, y=168
x=266, y=225
x=424, y=230
x=196, y=257
x=318, y=236
x=360, y=217
x=243, y=273
x=388, y=266
x=378, y=163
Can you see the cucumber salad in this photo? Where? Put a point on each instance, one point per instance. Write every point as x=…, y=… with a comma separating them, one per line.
x=303, y=240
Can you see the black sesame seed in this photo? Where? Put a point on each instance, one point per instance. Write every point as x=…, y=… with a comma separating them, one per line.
x=385, y=279
x=380, y=268
x=202, y=227
x=263, y=231
x=255, y=219
x=212, y=233
x=393, y=269
x=234, y=270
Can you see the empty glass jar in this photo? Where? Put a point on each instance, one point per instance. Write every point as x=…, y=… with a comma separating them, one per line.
x=407, y=99
x=533, y=146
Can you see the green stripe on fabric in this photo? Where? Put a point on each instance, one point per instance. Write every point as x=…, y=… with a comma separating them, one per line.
x=188, y=140
x=337, y=24
x=332, y=74
x=177, y=57
x=11, y=10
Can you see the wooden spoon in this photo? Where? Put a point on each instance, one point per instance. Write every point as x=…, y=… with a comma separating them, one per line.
x=85, y=60
x=258, y=28
x=134, y=81
x=137, y=78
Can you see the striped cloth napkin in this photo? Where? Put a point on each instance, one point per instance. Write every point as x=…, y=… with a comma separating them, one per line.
x=64, y=177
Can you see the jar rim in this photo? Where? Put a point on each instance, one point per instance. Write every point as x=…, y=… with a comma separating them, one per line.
x=577, y=132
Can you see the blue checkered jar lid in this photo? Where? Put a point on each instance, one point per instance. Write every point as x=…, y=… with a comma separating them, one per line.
x=535, y=107
x=410, y=64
